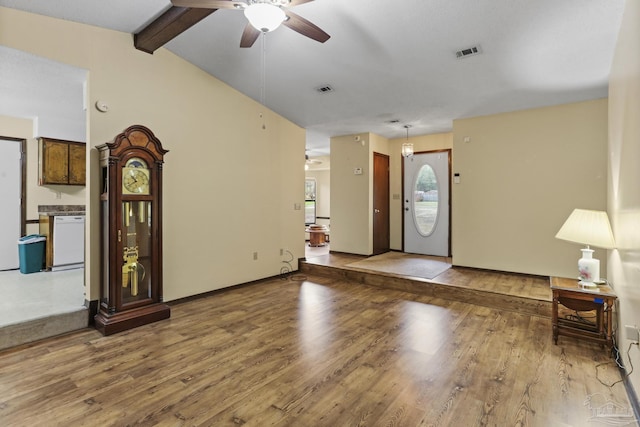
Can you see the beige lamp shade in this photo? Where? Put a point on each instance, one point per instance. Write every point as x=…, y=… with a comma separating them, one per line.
x=588, y=227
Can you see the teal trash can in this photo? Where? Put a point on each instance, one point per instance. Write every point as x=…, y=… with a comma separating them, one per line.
x=31, y=253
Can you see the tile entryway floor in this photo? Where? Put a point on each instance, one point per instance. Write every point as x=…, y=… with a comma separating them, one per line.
x=31, y=296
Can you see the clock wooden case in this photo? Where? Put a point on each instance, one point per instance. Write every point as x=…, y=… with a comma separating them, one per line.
x=131, y=241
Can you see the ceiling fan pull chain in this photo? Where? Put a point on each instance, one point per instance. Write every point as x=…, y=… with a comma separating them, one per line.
x=263, y=76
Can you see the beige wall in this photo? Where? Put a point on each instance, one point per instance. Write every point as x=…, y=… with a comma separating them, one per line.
x=36, y=195
x=347, y=152
x=230, y=186
x=15, y=127
x=351, y=194
x=522, y=173
x=624, y=179
x=438, y=141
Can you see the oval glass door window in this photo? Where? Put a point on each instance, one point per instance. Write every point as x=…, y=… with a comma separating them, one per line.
x=425, y=200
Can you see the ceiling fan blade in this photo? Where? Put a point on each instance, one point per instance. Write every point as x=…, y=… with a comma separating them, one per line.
x=299, y=24
x=209, y=4
x=297, y=2
x=249, y=36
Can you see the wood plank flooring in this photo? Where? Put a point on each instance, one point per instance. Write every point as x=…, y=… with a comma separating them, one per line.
x=522, y=293
x=519, y=285
x=314, y=352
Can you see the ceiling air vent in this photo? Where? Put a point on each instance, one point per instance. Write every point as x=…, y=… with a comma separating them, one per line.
x=470, y=51
x=324, y=89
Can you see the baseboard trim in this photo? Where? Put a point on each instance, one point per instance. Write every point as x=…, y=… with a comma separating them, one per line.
x=631, y=393
x=228, y=288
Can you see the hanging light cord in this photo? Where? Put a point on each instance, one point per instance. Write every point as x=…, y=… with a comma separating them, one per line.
x=263, y=76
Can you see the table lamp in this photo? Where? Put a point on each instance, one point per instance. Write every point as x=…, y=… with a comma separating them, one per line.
x=591, y=228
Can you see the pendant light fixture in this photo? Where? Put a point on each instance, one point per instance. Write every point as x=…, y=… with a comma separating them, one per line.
x=407, y=147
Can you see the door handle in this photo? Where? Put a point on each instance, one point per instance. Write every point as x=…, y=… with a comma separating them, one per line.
x=406, y=209
x=376, y=210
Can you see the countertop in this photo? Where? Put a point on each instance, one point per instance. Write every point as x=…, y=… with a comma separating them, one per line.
x=61, y=210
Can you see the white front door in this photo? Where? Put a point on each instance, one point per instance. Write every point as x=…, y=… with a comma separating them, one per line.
x=10, y=191
x=426, y=203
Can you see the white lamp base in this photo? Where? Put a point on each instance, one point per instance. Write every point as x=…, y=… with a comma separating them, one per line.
x=588, y=269
x=589, y=285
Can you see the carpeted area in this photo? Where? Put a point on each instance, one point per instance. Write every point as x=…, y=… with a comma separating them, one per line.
x=403, y=264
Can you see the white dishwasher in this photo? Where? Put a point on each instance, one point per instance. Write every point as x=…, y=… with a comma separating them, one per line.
x=68, y=242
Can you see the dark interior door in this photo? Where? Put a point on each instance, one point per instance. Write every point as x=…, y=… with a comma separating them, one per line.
x=380, y=203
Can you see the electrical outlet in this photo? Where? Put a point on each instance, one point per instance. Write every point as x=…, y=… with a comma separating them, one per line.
x=632, y=333
x=255, y=256
x=281, y=252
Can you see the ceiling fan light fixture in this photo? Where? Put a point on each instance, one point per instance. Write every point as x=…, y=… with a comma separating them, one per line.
x=265, y=17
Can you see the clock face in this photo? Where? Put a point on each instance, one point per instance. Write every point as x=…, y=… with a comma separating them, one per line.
x=135, y=177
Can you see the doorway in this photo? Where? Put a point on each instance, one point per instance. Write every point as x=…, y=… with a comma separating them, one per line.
x=54, y=93
x=381, y=239
x=426, y=195
x=12, y=171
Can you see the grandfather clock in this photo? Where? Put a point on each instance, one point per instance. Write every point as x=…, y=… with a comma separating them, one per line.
x=131, y=235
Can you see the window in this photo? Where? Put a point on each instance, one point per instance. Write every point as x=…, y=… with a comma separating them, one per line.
x=310, y=201
x=425, y=201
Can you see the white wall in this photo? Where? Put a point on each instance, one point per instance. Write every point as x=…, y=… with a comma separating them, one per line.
x=522, y=173
x=230, y=186
x=624, y=180
x=48, y=91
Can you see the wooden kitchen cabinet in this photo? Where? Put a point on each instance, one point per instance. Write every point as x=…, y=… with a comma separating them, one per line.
x=61, y=162
x=46, y=229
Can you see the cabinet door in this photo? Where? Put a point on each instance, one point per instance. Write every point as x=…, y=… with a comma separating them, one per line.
x=55, y=167
x=77, y=164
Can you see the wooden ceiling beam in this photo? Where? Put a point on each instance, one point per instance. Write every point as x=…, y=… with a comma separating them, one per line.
x=167, y=26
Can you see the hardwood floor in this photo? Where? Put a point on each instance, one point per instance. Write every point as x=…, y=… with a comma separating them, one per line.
x=520, y=285
x=314, y=352
x=494, y=289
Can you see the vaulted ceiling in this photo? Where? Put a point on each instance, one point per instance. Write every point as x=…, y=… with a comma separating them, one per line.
x=388, y=63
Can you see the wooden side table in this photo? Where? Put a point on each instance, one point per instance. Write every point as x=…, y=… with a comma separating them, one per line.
x=317, y=235
x=569, y=293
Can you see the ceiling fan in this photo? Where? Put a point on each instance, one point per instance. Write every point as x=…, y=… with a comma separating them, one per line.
x=308, y=161
x=311, y=161
x=263, y=16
